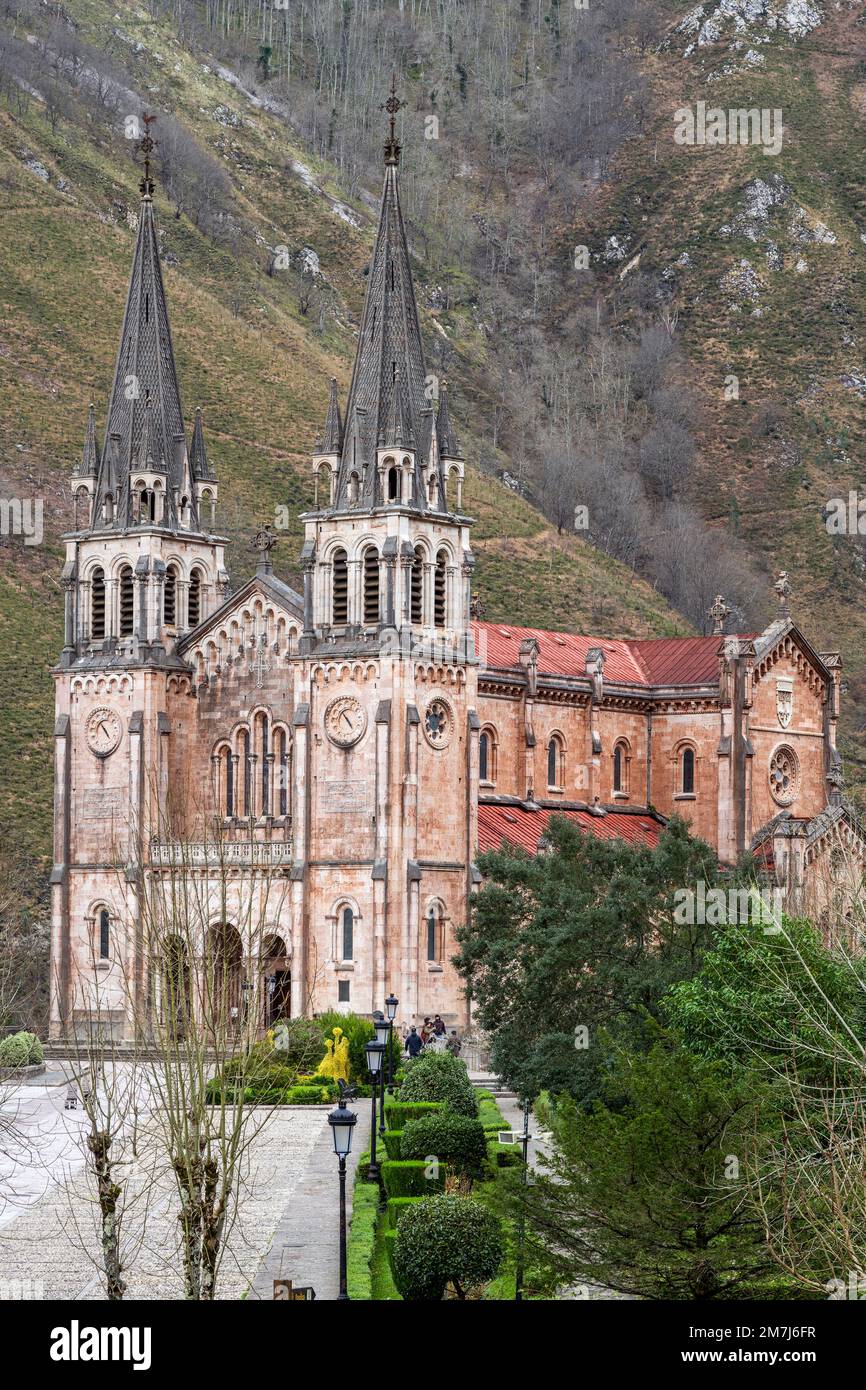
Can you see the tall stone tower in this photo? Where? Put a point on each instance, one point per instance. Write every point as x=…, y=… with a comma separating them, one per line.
x=141, y=569
x=387, y=831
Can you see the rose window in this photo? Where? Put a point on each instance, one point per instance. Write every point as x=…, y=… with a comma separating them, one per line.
x=784, y=775
x=437, y=723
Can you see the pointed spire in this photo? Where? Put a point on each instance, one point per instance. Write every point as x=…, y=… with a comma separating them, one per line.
x=144, y=456
x=331, y=441
x=449, y=447
x=145, y=384
x=90, y=457
x=199, y=464
x=387, y=392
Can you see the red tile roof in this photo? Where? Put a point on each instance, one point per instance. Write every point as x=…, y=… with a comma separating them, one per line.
x=657, y=661
x=521, y=827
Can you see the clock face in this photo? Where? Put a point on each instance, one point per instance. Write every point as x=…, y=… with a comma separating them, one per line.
x=345, y=721
x=438, y=723
x=103, y=732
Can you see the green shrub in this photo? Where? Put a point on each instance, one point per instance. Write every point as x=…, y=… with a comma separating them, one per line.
x=439, y=1076
x=398, y=1113
x=392, y=1142
x=411, y=1179
x=504, y=1155
x=15, y=1050
x=361, y=1242
x=446, y=1241
x=304, y=1046
x=306, y=1095
x=396, y=1207
x=390, y=1239
x=218, y=1092
x=454, y=1139
x=36, y=1054
x=490, y=1115
x=261, y=1092
x=358, y=1030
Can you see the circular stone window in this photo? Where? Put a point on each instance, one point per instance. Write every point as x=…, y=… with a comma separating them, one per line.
x=438, y=723
x=784, y=775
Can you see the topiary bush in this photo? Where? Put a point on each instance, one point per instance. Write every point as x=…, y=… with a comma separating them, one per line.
x=362, y=1240
x=439, y=1076
x=454, y=1139
x=393, y=1143
x=445, y=1242
x=398, y=1113
x=396, y=1207
x=306, y=1095
x=15, y=1050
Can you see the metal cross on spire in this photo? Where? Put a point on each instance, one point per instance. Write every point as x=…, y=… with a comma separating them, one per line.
x=146, y=147
x=392, y=106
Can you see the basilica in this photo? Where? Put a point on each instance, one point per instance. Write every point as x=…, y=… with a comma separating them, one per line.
x=359, y=743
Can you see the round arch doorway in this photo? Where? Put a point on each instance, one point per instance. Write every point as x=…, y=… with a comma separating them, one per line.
x=276, y=981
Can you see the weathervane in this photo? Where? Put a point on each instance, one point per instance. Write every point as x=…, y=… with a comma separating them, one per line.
x=146, y=147
x=392, y=106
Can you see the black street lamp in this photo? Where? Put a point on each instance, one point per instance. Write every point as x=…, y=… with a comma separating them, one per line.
x=383, y=1028
x=374, y=1051
x=342, y=1122
x=391, y=1011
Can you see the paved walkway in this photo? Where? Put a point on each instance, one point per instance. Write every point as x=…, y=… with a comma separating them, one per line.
x=306, y=1242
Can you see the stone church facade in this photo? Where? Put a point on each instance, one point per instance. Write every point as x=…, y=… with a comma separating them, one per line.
x=356, y=744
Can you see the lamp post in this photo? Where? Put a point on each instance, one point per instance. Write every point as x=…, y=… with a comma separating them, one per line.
x=391, y=1013
x=374, y=1051
x=342, y=1122
x=383, y=1032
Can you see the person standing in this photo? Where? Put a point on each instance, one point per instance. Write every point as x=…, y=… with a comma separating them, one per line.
x=413, y=1043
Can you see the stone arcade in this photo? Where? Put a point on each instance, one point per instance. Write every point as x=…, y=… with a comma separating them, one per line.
x=364, y=739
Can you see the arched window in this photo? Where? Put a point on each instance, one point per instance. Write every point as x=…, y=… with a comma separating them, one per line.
x=341, y=588
x=283, y=773
x=208, y=503
x=417, y=586
x=246, y=772
x=169, y=607
x=97, y=605
x=194, y=601
x=353, y=489
x=146, y=504
x=620, y=766
x=434, y=933
x=103, y=922
x=323, y=486
x=440, y=588
x=687, y=772
x=82, y=507
x=487, y=756
x=263, y=748
x=371, y=585
x=127, y=602
x=108, y=507
x=229, y=781
x=347, y=934
x=393, y=484
x=184, y=515
x=555, y=763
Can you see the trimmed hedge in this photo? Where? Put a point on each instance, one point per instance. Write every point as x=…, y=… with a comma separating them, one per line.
x=396, y=1206
x=393, y=1144
x=490, y=1115
x=361, y=1243
x=402, y=1178
x=454, y=1139
x=398, y=1113
x=307, y=1095
x=390, y=1238
x=505, y=1155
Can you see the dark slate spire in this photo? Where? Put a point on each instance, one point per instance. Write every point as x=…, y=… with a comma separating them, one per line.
x=90, y=458
x=145, y=385
x=449, y=446
x=387, y=395
x=198, y=458
x=331, y=441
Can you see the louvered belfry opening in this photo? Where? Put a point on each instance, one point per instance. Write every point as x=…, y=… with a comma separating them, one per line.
x=371, y=585
x=127, y=602
x=440, y=588
x=417, y=613
x=194, y=602
x=170, y=600
x=341, y=589
x=97, y=592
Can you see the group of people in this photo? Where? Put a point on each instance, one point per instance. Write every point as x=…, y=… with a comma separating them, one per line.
x=432, y=1036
